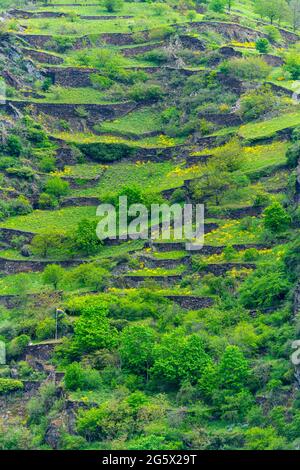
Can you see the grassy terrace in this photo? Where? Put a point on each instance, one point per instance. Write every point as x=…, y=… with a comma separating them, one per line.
x=149, y=142
x=39, y=220
x=148, y=176
x=270, y=127
x=65, y=95
x=73, y=26
x=223, y=342
x=137, y=122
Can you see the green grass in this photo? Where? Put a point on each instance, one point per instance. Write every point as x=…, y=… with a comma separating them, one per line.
x=269, y=128
x=79, y=27
x=149, y=177
x=160, y=141
x=136, y=122
x=18, y=284
x=64, y=219
x=74, y=96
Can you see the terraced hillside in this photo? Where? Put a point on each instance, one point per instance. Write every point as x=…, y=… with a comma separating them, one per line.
x=142, y=344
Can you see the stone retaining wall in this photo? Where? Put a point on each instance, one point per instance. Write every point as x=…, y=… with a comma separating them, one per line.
x=273, y=60
x=71, y=76
x=222, y=268
x=231, y=31
x=163, y=263
x=132, y=51
x=41, y=351
x=57, y=110
x=225, y=119
x=80, y=201
x=191, y=302
x=133, y=281
x=43, y=41
x=9, y=266
x=206, y=250
x=6, y=235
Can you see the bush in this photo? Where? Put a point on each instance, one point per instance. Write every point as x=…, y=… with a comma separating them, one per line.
x=9, y=385
x=143, y=92
x=113, y=5
x=14, y=145
x=246, y=68
x=292, y=64
x=17, y=346
x=85, y=240
x=45, y=329
x=218, y=6
x=293, y=154
x=78, y=377
x=56, y=187
x=264, y=288
x=262, y=45
x=53, y=274
x=275, y=218
x=255, y=103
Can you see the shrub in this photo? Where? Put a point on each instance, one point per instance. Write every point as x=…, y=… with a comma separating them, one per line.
x=218, y=6
x=47, y=163
x=246, y=68
x=17, y=346
x=53, y=274
x=85, y=240
x=45, y=329
x=9, y=385
x=20, y=206
x=292, y=64
x=264, y=288
x=275, y=218
x=79, y=378
x=113, y=5
x=14, y=145
x=143, y=92
x=293, y=154
x=255, y=103
x=262, y=45
x=55, y=186
x=47, y=201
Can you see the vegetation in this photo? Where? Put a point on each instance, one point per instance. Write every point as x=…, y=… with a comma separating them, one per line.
x=152, y=346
